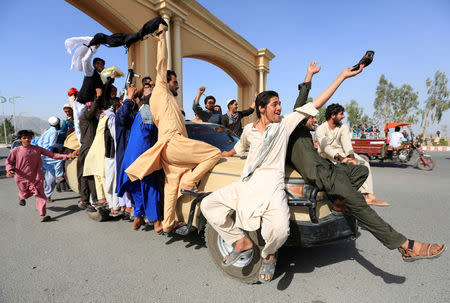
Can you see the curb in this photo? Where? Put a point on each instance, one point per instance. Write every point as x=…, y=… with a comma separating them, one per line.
x=435, y=148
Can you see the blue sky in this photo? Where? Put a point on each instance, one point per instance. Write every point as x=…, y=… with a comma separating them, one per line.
x=410, y=39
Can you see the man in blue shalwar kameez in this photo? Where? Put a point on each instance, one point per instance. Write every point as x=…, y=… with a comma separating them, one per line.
x=145, y=192
x=52, y=168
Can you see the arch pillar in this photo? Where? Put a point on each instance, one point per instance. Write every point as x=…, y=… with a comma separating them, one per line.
x=177, y=57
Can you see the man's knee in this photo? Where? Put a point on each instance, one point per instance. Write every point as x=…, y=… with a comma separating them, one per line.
x=278, y=231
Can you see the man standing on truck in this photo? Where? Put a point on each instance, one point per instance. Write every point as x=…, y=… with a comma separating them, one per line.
x=258, y=198
x=341, y=182
x=184, y=160
x=335, y=145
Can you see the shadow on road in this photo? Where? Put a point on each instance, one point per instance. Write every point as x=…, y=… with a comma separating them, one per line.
x=292, y=260
x=193, y=240
x=68, y=198
x=71, y=209
x=391, y=164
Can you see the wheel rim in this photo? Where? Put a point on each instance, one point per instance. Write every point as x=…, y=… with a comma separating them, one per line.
x=428, y=163
x=226, y=249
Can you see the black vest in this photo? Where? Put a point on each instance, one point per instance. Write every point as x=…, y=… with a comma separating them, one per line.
x=87, y=91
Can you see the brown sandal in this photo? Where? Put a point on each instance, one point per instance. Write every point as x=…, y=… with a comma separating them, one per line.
x=409, y=256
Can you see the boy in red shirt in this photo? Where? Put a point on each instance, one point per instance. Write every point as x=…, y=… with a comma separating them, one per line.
x=25, y=164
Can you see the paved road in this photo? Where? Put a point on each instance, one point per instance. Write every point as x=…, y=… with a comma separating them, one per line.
x=74, y=259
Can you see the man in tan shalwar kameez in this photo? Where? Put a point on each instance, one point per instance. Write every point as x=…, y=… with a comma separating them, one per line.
x=184, y=160
x=258, y=198
x=334, y=144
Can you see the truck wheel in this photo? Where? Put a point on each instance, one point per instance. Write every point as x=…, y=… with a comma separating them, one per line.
x=100, y=215
x=244, y=270
x=428, y=165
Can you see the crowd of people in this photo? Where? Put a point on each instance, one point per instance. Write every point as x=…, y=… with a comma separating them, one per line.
x=364, y=131
x=124, y=147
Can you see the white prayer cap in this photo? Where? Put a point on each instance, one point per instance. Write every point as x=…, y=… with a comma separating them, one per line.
x=53, y=121
x=67, y=106
x=229, y=101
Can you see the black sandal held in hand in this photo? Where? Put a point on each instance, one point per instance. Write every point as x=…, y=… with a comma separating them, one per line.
x=366, y=60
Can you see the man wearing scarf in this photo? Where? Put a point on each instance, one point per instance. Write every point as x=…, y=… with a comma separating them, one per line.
x=233, y=118
x=257, y=202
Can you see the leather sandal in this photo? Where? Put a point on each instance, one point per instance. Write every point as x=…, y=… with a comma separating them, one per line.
x=409, y=256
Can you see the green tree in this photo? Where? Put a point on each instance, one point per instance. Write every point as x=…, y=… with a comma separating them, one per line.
x=405, y=104
x=384, y=101
x=355, y=114
x=7, y=127
x=437, y=102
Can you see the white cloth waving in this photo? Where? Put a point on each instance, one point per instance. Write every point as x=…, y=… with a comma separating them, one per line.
x=81, y=55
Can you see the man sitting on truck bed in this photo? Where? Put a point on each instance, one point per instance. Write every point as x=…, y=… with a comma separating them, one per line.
x=341, y=182
x=334, y=144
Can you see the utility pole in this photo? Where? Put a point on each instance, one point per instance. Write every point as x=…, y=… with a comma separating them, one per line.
x=3, y=101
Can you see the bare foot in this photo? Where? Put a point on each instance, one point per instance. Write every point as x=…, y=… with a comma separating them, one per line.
x=371, y=199
x=137, y=223
x=267, y=277
x=242, y=244
x=157, y=226
x=172, y=227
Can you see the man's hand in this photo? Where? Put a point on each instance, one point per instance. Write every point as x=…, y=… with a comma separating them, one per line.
x=348, y=73
x=349, y=161
x=131, y=90
x=10, y=173
x=230, y=153
x=313, y=68
x=201, y=90
x=159, y=34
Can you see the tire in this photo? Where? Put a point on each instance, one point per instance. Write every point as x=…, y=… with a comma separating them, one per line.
x=246, y=271
x=429, y=161
x=100, y=215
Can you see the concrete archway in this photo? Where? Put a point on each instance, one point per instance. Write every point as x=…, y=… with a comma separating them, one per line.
x=193, y=33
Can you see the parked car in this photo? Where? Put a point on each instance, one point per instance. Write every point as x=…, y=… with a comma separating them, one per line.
x=311, y=223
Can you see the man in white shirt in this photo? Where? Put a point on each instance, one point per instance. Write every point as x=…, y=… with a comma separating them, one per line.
x=335, y=145
x=396, y=138
x=258, y=198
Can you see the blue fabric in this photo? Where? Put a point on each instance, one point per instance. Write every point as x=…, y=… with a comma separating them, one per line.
x=48, y=141
x=123, y=122
x=144, y=192
x=63, y=131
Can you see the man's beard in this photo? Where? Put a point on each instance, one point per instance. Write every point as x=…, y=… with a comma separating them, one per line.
x=337, y=122
x=174, y=92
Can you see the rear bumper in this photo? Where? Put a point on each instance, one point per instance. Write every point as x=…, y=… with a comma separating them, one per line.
x=329, y=229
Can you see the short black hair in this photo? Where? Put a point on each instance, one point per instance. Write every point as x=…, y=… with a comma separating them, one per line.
x=170, y=73
x=25, y=133
x=333, y=109
x=145, y=79
x=209, y=98
x=263, y=99
x=397, y=128
x=97, y=59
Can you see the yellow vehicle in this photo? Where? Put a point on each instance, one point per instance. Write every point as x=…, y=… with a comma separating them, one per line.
x=311, y=223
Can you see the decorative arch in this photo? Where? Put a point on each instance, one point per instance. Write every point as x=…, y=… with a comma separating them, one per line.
x=193, y=33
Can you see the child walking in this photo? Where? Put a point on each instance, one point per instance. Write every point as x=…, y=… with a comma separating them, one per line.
x=25, y=164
